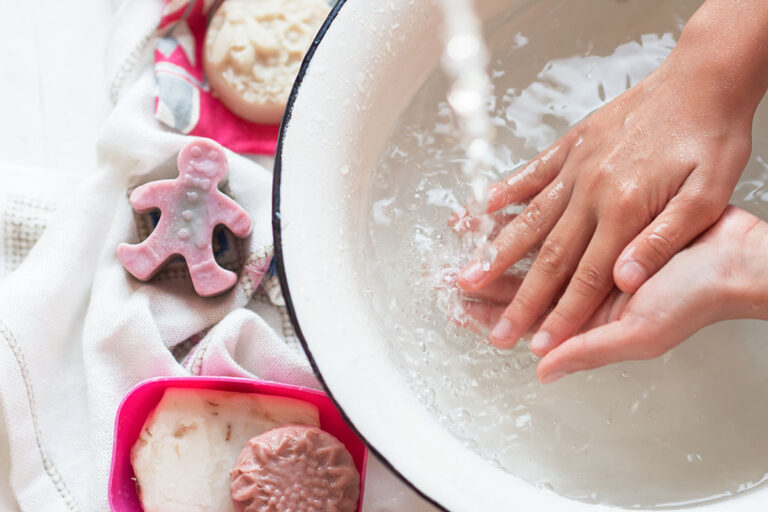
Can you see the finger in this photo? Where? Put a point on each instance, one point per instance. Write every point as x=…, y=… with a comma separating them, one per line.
x=463, y=222
x=686, y=216
x=654, y=320
x=528, y=181
x=464, y=320
x=586, y=290
x=499, y=291
x=550, y=270
x=517, y=238
x=622, y=340
x=482, y=314
x=632, y=338
x=609, y=311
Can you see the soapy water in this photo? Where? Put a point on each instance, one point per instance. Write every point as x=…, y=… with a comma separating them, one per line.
x=682, y=429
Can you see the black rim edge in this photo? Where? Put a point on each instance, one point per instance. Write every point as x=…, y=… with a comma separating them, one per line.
x=278, y=248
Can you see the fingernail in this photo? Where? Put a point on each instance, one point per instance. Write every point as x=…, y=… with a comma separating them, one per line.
x=552, y=377
x=503, y=330
x=473, y=273
x=541, y=341
x=633, y=273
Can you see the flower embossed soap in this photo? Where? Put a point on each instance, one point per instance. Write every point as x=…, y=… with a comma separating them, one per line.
x=295, y=467
x=192, y=439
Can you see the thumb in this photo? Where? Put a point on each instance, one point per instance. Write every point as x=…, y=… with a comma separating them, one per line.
x=633, y=337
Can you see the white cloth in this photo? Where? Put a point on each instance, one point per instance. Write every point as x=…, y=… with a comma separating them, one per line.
x=77, y=332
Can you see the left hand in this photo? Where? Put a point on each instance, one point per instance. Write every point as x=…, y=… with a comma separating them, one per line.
x=722, y=275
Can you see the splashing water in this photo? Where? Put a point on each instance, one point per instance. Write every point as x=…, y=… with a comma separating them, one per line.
x=465, y=62
x=688, y=425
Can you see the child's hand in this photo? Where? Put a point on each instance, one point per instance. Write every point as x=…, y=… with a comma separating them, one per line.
x=723, y=275
x=627, y=188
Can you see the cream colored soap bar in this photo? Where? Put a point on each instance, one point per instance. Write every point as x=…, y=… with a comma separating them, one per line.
x=253, y=51
x=191, y=441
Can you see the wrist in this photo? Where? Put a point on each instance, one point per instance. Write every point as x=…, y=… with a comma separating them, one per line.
x=744, y=276
x=722, y=54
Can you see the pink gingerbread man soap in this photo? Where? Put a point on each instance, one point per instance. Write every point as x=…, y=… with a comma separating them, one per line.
x=191, y=206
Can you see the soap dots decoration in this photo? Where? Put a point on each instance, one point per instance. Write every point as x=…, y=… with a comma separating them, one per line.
x=191, y=206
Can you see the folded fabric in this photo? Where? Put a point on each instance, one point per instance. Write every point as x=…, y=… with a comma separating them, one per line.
x=77, y=331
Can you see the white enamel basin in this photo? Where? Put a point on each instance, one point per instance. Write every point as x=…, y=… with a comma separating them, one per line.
x=368, y=61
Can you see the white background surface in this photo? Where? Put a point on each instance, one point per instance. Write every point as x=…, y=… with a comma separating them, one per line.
x=53, y=99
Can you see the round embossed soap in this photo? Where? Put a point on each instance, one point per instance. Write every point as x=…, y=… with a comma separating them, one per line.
x=253, y=50
x=294, y=467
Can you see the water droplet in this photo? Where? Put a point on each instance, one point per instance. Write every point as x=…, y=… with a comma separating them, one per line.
x=472, y=445
x=464, y=416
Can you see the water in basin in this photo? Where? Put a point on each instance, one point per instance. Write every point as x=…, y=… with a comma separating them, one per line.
x=685, y=428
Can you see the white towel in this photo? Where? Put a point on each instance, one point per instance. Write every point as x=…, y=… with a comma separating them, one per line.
x=77, y=332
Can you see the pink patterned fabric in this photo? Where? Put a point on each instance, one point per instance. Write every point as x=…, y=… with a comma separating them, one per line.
x=184, y=99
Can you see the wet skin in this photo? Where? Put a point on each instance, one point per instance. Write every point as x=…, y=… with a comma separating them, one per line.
x=628, y=188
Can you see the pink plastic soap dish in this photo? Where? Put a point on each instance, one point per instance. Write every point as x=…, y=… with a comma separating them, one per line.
x=141, y=400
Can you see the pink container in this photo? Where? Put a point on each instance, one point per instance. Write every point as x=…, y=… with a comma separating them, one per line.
x=142, y=399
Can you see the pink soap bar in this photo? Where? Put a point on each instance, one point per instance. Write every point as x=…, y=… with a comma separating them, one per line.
x=141, y=401
x=191, y=206
x=295, y=467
